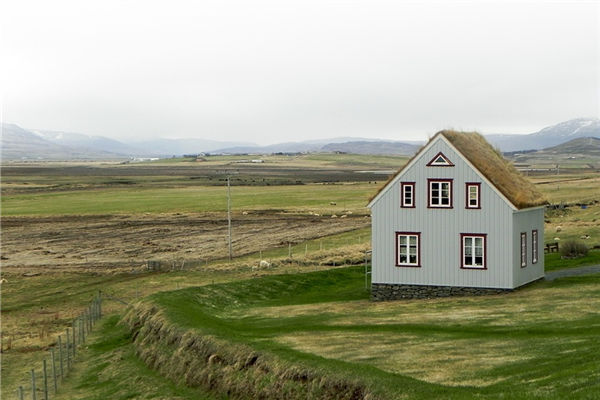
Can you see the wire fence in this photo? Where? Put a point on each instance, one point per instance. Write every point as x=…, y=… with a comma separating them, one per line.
x=46, y=377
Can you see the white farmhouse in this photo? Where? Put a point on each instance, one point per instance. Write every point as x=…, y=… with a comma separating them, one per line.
x=457, y=219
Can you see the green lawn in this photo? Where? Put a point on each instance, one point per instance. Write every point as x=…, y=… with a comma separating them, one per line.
x=110, y=369
x=553, y=261
x=314, y=197
x=537, y=342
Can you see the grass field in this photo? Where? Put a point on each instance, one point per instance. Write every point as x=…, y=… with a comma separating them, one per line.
x=534, y=343
x=110, y=369
x=91, y=227
x=298, y=198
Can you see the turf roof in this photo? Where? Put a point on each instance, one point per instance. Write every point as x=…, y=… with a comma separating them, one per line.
x=491, y=164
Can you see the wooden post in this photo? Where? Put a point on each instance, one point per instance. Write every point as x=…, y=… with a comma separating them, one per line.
x=68, y=351
x=100, y=303
x=289, y=250
x=320, y=244
x=54, y=370
x=305, y=249
x=229, y=217
x=20, y=392
x=366, y=283
x=74, y=342
x=83, y=332
x=33, y=389
x=45, y=381
x=60, y=358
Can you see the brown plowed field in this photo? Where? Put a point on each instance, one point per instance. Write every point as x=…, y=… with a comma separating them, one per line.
x=123, y=242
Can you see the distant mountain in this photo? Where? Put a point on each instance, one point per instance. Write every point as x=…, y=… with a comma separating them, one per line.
x=367, y=146
x=169, y=147
x=19, y=143
x=288, y=147
x=549, y=136
x=586, y=146
x=370, y=147
x=94, y=143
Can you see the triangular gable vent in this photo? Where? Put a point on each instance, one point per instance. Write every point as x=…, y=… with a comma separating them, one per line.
x=440, y=160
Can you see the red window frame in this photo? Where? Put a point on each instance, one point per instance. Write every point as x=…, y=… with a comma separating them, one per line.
x=450, y=191
x=468, y=185
x=534, y=246
x=418, y=235
x=462, y=250
x=432, y=162
x=402, y=192
x=523, y=249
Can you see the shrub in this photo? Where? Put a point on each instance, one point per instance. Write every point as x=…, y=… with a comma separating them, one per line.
x=573, y=249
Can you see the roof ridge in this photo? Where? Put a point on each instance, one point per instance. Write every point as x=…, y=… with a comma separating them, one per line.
x=490, y=163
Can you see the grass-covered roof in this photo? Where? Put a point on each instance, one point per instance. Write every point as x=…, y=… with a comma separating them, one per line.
x=491, y=164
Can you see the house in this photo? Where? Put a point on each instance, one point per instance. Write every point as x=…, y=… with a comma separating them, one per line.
x=456, y=219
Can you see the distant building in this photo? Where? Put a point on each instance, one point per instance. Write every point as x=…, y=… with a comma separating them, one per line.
x=457, y=219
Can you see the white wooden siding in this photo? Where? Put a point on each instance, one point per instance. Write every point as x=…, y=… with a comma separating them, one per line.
x=526, y=221
x=441, y=228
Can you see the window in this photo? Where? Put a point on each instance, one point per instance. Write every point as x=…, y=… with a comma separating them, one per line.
x=408, y=250
x=407, y=193
x=473, y=248
x=440, y=193
x=472, y=195
x=534, y=246
x=440, y=160
x=523, y=249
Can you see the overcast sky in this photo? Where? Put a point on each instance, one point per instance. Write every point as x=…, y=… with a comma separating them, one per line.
x=272, y=71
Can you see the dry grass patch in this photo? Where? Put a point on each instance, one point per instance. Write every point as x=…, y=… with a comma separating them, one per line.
x=447, y=361
x=526, y=305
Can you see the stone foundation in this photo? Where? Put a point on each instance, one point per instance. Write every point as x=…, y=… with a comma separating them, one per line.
x=391, y=291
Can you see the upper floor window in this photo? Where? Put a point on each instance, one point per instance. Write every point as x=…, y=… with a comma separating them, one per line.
x=407, y=249
x=440, y=193
x=473, y=250
x=407, y=194
x=523, y=249
x=473, y=197
x=534, y=246
x=440, y=160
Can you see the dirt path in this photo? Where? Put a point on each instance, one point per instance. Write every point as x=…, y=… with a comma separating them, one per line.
x=587, y=270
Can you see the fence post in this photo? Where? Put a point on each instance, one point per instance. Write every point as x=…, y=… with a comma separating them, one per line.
x=60, y=358
x=33, y=389
x=20, y=391
x=100, y=303
x=81, y=328
x=67, y=342
x=88, y=316
x=74, y=342
x=45, y=381
x=54, y=370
